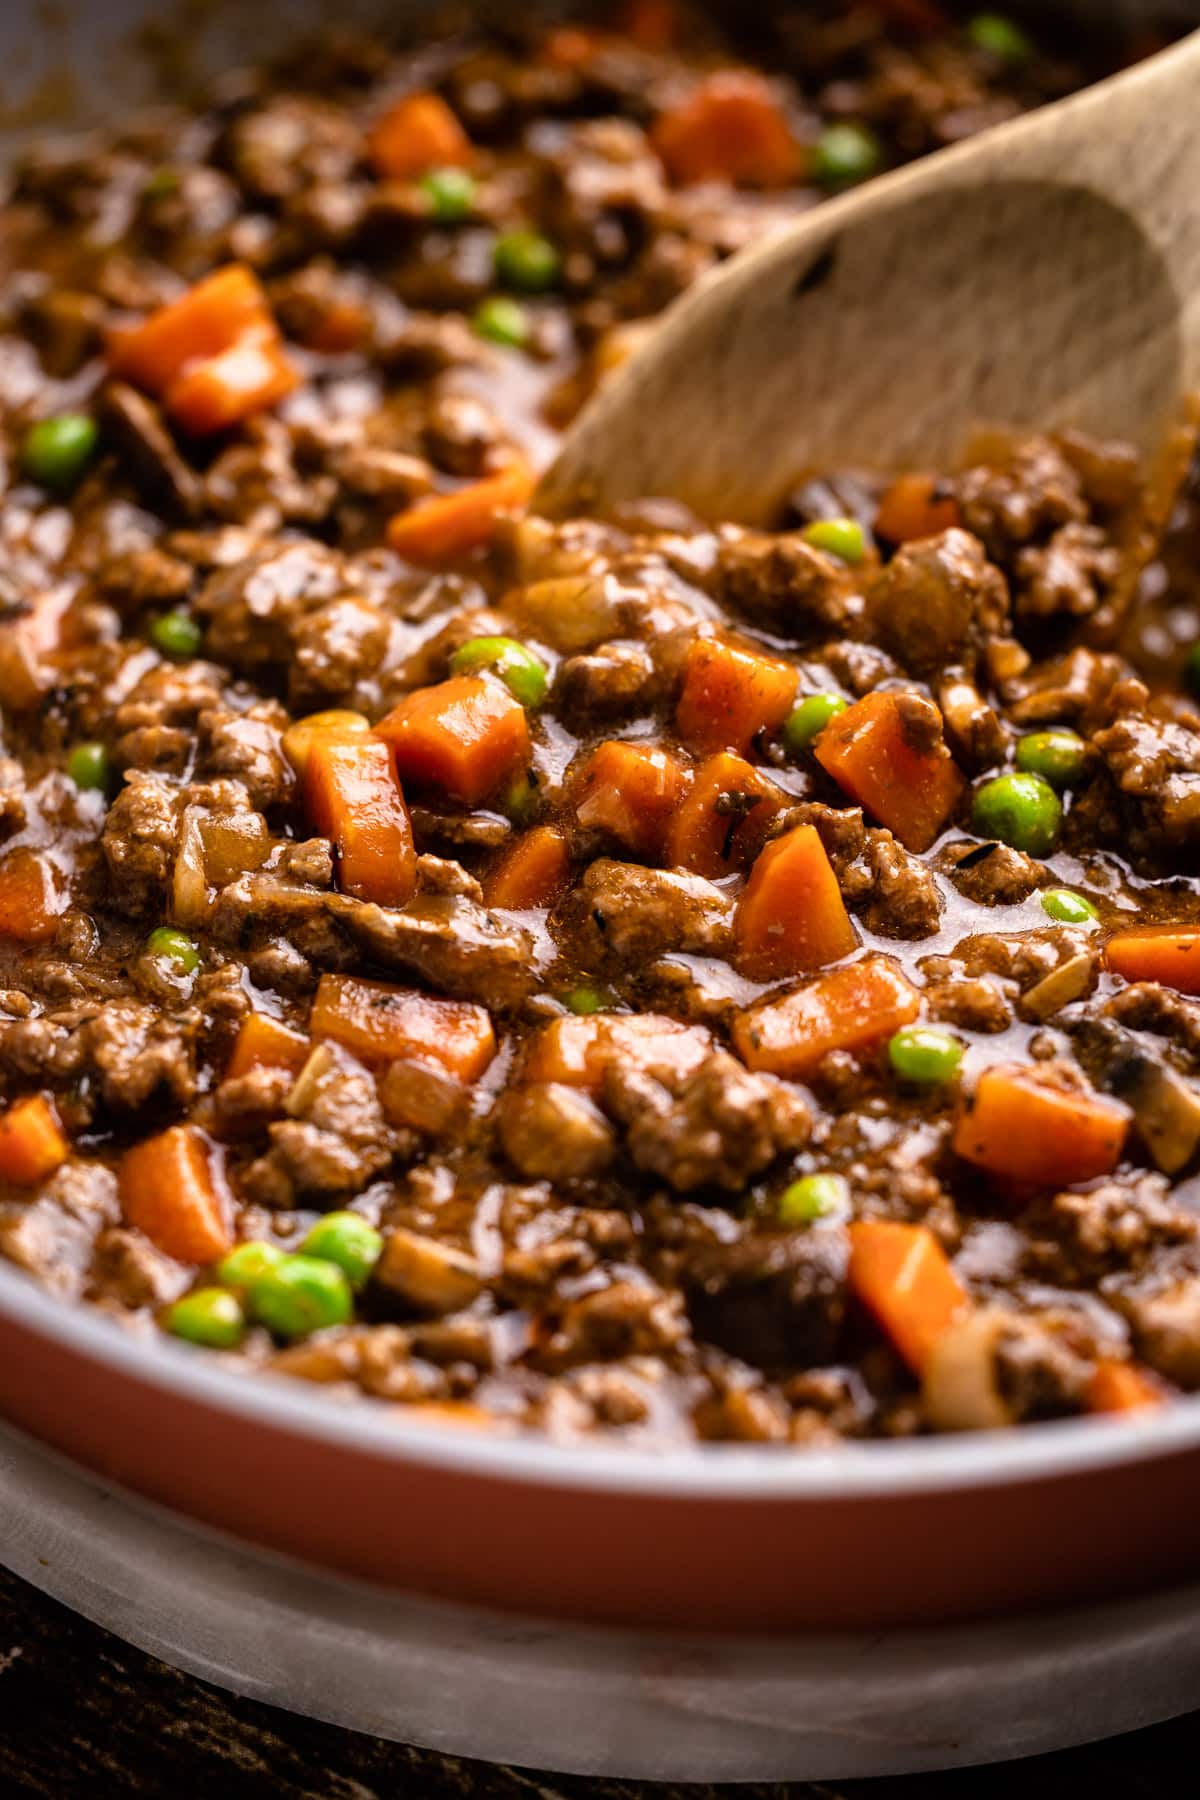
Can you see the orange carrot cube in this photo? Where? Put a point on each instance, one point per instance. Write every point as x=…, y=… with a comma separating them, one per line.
x=381, y=1023
x=462, y=737
x=791, y=917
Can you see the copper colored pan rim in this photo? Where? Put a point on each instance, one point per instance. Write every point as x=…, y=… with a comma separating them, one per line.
x=703, y=1472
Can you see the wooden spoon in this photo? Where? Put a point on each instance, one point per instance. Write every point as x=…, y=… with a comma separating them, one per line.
x=1045, y=274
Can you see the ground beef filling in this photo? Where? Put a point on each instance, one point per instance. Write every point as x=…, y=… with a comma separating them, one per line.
x=634, y=977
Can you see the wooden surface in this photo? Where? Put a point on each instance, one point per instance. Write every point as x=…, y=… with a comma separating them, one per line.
x=83, y=1715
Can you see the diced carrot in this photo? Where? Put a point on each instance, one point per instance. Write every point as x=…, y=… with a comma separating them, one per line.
x=452, y=1415
x=1123, y=1387
x=32, y=1144
x=265, y=1043
x=720, y=824
x=30, y=897
x=901, y=1274
x=167, y=1190
x=915, y=506
x=1016, y=1124
x=847, y=1009
x=731, y=127
x=418, y=133
x=791, y=917
x=214, y=355
x=730, y=694
x=352, y=795
x=921, y=16
x=462, y=736
x=338, y=722
x=570, y=47
x=880, y=752
x=631, y=791
x=215, y=314
x=28, y=645
x=1169, y=954
x=651, y=24
x=532, y=872
x=381, y=1023
x=340, y=324
x=443, y=527
x=220, y=392
x=576, y=1051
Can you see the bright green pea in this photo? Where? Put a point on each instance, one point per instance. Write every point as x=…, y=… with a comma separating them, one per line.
x=1068, y=908
x=177, y=633
x=520, y=670
x=813, y=1197
x=923, y=1054
x=526, y=261
x=55, y=452
x=843, y=538
x=502, y=320
x=450, y=193
x=176, y=946
x=845, y=154
x=585, y=1000
x=810, y=719
x=1058, y=756
x=1021, y=810
x=301, y=1294
x=89, y=767
x=247, y=1263
x=999, y=37
x=211, y=1316
x=347, y=1240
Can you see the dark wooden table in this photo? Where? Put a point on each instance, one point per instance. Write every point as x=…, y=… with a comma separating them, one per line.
x=83, y=1715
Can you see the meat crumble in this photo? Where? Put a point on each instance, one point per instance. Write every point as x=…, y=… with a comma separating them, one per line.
x=634, y=978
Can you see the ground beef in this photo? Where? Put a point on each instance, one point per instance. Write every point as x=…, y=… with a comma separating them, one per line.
x=785, y=585
x=711, y=1126
x=629, y=914
x=141, y=837
x=583, y=1126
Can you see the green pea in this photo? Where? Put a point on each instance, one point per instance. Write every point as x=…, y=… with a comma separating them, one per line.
x=1191, y=669
x=162, y=184
x=519, y=800
x=1058, y=756
x=810, y=718
x=177, y=633
x=923, y=1054
x=347, y=1240
x=450, y=193
x=503, y=320
x=211, y=1316
x=1068, y=908
x=843, y=538
x=526, y=261
x=813, y=1197
x=999, y=37
x=89, y=767
x=520, y=670
x=846, y=154
x=55, y=452
x=1021, y=810
x=176, y=947
x=301, y=1294
x=247, y=1263
x=586, y=1000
